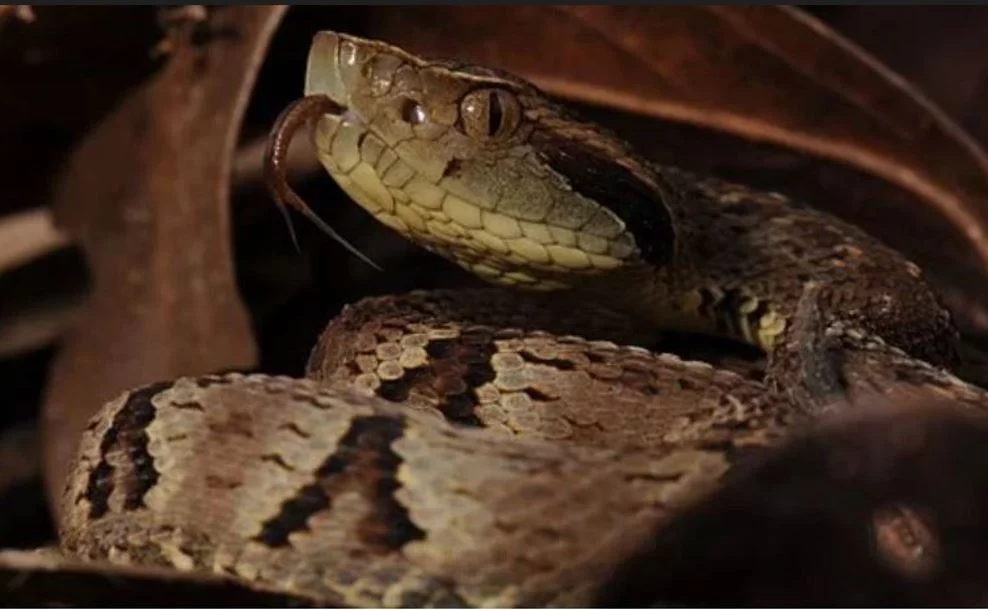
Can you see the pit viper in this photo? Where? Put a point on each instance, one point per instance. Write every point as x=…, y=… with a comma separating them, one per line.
x=508, y=446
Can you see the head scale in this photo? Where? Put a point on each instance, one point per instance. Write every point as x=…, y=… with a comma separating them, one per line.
x=482, y=168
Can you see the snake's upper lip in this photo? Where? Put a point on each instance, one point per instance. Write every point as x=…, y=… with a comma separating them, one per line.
x=322, y=74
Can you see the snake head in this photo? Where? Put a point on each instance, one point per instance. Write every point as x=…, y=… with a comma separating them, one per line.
x=483, y=169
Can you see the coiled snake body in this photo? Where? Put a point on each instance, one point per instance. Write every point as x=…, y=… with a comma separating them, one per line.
x=521, y=464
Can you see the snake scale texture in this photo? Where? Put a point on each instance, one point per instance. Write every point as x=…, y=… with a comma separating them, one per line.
x=505, y=446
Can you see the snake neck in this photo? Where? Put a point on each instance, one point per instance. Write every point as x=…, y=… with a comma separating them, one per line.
x=744, y=259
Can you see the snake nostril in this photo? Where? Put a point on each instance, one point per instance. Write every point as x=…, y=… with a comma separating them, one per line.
x=412, y=112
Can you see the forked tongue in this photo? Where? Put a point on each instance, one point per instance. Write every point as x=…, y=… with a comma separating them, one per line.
x=297, y=115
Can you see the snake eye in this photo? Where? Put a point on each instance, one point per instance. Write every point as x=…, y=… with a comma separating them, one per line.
x=489, y=114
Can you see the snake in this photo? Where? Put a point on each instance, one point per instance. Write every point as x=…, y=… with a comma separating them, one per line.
x=515, y=445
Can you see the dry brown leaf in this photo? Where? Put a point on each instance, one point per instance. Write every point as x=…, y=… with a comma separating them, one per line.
x=146, y=195
x=766, y=73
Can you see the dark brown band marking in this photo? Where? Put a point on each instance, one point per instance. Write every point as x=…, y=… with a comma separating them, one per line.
x=455, y=368
x=365, y=463
x=128, y=434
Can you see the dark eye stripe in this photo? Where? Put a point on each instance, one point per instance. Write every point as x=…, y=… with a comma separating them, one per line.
x=597, y=177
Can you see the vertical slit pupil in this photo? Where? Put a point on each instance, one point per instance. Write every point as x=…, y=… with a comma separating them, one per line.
x=495, y=114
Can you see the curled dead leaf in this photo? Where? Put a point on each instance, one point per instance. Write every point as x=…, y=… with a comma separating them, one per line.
x=146, y=195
